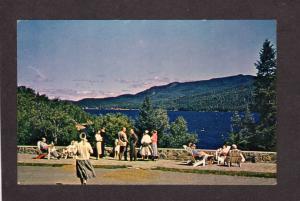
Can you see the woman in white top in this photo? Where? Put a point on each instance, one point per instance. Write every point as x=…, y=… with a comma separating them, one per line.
x=146, y=149
x=99, y=140
x=84, y=168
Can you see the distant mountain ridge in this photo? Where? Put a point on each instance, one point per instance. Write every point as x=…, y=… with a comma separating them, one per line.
x=231, y=93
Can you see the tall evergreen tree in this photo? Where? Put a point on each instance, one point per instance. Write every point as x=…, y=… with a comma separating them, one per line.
x=152, y=119
x=265, y=96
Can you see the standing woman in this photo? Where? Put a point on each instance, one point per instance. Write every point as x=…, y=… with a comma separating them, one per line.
x=154, y=145
x=99, y=140
x=146, y=148
x=84, y=168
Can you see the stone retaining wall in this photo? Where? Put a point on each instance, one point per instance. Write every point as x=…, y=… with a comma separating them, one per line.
x=179, y=154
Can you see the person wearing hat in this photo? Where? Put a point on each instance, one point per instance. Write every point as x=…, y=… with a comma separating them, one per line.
x=84, y=168
x=146, y=149
x=234, y=147
x=99, y=140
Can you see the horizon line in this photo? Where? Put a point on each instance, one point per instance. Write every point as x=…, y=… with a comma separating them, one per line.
x=36, y=91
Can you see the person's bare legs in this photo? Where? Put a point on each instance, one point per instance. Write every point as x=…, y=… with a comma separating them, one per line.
x=83, y=181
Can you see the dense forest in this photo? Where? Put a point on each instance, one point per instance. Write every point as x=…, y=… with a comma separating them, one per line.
x=219, y=94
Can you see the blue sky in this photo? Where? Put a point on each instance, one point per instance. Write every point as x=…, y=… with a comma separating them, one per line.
x=75, y=59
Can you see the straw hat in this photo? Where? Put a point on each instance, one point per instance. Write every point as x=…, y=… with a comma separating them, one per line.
x=79, y=127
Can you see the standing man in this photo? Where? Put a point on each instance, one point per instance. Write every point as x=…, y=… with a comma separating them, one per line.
x=154, y=145
x=122, y=137
x=99, y=140
x=133, y=141
x=103, y=135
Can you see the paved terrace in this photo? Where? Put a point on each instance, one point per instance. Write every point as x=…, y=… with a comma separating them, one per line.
x=170, y=172
x=27, y=159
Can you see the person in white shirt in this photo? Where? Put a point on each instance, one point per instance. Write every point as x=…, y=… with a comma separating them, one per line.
x=84, y=168
x=99, y=140
x=146, y=149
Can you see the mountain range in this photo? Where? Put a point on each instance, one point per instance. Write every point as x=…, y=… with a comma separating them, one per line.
x=233, y=93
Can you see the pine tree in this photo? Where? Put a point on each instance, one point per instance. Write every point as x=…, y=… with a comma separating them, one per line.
x=236, y=125
x=247, y=132
x=265, y=97
x=152, y=119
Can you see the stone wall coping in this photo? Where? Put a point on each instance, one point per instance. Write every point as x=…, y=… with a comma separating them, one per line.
x=174, y=149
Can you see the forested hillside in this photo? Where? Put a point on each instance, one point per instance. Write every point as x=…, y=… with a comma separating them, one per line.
x=232, y=93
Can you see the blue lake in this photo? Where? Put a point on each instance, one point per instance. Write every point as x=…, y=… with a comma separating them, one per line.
x=212, y=128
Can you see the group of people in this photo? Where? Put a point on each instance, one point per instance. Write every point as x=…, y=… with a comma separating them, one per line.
x=82, y=150
x=148, y=145
x=220, y=155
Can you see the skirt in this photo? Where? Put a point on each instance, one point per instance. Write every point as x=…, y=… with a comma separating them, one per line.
x=146, y=151
x=99, y=148
x=84, y=169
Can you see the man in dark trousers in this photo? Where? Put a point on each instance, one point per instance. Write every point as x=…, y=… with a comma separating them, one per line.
x=133, y=142
x=103, y=135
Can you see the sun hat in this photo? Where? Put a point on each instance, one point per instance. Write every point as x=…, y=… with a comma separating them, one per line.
x=82, y=136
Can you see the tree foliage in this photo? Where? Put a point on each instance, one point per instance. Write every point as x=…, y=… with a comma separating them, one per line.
x=260, y=136
x=152, y=119
x=265, y=96
x=39, y=117
x=243, y=131
x=157, y=119
x=179, y=134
